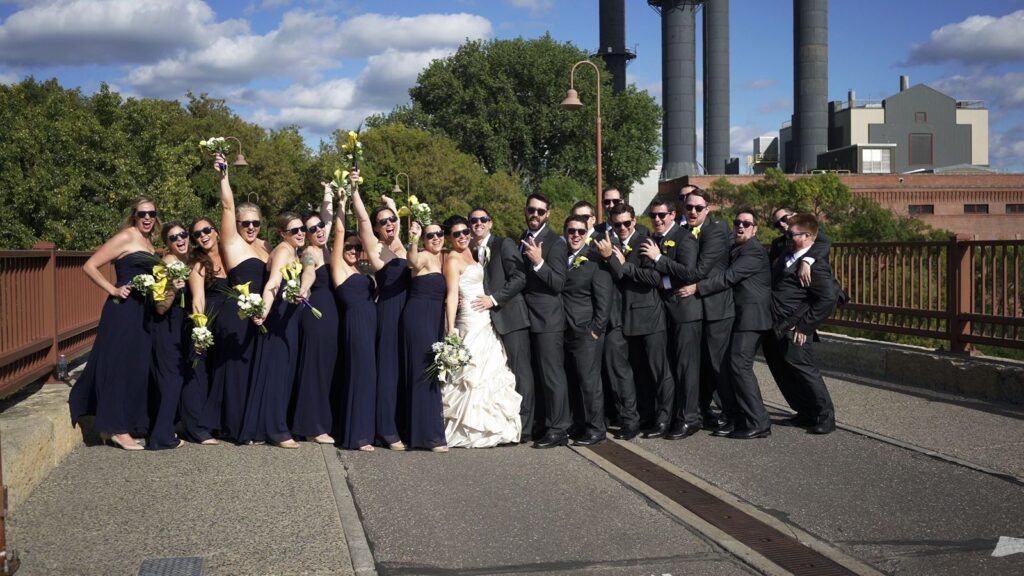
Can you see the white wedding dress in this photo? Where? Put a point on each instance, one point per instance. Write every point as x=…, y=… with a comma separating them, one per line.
x=481, y=405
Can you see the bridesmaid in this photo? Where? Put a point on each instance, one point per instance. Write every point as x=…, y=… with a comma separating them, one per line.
x=266, y=410
x=244, y=256
x=378, y=233
x=171, y=344
x=114, y=383
x=422, y=326
x=207, y=284
x=318, y=344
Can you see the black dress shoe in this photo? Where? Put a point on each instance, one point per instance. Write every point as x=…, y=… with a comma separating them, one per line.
x=627, y=432
x=656, y=431
x=750, y=434
x=525, y=438
x=550, y=440
x=590, y=439
x=724, y=430
x=680, y=431
x=712, y=421
x=825, y=427
x=799, y=421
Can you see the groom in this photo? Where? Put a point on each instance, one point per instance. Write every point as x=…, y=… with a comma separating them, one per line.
x=504, y=280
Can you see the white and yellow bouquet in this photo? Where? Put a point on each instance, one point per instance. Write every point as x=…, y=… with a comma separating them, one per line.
x=163, y=273
x=291, y=289
x=143, y=283
x=249, y=305
x=450, y=355
x=202, y=338
x=420, y=211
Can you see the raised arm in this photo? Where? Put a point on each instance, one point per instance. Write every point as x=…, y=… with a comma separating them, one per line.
x=327, y=209
x=365, y=228
x=451, y=301
x=338, y=247
x=110, y=250
x=228, y=229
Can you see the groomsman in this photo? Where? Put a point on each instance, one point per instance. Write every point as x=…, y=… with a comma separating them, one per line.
x=611, y=198
x=643, y=313
x=673, y=249
x=587, y=300
x=797, y=310
x=778, y=245
x=749, y=277
x=545, y=256
x=504, y=281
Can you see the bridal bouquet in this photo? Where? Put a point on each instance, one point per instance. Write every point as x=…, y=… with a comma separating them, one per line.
x=292, y=274
x=420, y=211
x=249, y=305
x=202, y=338
x=450, y=355
x=216, y=145
x=176, y=270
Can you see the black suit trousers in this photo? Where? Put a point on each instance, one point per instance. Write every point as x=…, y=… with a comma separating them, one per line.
x=714, y=375
x=685, y=344
x=742, y=383
x=620, y=376
x=517, y=351
x=799, y=378
x=583, y=369
x=548, y=351
x=660, y=384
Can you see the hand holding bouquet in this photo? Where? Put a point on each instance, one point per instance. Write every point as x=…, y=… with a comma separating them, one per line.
x=420, y=211
x=291, y=289
x=176, y=272
x=450, y=355
x=216, y=145
x=202, y=338
x=249, y=305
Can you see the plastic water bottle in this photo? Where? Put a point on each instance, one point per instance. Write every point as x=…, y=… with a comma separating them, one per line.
x=62, y=368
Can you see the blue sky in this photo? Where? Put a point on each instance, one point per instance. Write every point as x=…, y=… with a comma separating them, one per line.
x=325, y=64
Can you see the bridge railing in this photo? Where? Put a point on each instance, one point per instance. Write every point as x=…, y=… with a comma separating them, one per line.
x=48, y=307
x=964, y=291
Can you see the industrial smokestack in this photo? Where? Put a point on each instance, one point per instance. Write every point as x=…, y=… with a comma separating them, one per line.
x=851, y=98
x=613, y=42
x=810, y=82
x=904, y=82
x=716, y=86
x=679, y=87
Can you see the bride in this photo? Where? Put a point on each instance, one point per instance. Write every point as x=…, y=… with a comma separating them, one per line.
x=481, y=405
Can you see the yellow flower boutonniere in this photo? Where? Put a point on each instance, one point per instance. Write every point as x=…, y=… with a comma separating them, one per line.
x=588, y=240
x=579, y=262
x=696, y=232
x=666, y=245
x=628, y=248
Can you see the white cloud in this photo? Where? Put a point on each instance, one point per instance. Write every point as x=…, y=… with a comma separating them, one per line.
x=775, y=106
x=1000, y=92
x=536, y=7
x=79, y=32
x=1007, y=149
x=741, y=140
x=8, y=78
x=373, y=33
x=977, y=40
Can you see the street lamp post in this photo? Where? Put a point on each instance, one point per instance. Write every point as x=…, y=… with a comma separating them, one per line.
x=572, y=102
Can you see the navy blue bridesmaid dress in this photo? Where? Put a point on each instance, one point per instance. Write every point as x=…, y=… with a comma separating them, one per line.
x=236, y=348
x=171, y=368
x=318, y=350
x=422, y=326
x=277, y=353
x=358, y=369
x=393, y=284
x=196, y=390
x=115, y=381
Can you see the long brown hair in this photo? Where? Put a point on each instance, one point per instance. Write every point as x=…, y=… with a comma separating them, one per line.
x=198, y=255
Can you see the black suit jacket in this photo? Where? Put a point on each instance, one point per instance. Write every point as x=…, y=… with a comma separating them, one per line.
x=795, y=305
x=615, y=303
x=679, y=250
x=750, y=277
x=504, y=280
x=587, y=296
x=643, y=311
x=819, y=249
x=714, y=241
x=544, y=286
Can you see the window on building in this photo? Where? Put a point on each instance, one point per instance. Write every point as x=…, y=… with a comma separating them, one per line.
x=875, y=161
x=920, y=149
x=920, y=117
x=1015, y=208
x=975, y=208
x=918, y=209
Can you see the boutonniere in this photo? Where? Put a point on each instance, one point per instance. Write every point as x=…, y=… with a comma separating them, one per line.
x=588, y=240
x=695, y=232
x=666, y=245
x=579, y=262
x=628, y=248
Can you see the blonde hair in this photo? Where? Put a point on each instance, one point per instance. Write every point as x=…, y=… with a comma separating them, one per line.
x=130, y=219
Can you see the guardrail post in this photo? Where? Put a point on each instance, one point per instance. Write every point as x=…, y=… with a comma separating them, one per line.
x=960, y=293
x=49, y=292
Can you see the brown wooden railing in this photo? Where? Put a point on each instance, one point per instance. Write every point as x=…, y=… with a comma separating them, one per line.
x=48, y=307
x=964, y=291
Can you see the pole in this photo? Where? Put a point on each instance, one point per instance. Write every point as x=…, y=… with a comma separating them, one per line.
x=597, y=81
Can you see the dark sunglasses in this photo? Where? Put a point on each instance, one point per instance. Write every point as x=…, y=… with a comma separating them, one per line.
x=249, y=223
x=587, y=216
x=537, y=211
x=613, y=201
x=576, y=231
x=388, y=220
x=659, y=215
x=791, y=234
x=206, y=231
x=312, y=229
x=179, y=236
x=743, y=223
x=621, y=225
x=140, y=214
x=479, y=220
x=353, y=247
x=461, y=233
x=296, y=230
x=437, y=234
x=698, y=208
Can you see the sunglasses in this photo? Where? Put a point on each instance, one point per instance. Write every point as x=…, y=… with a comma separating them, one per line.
x=659, y=215
x=622, y=225
x=613, y=201
x=140, y=214
x=249, y=223
x=388, y=220
x=782, y=220
x=576, y=231
x=460, y=233
x=479, y=220
x=791, y=234
x=206, y=231
x=587, y=216
x=437, y=234
x=537, y=211
x=743, y=223
x=296, y=230
x=315, y=227
x=353, y=247
x=179, y=236
x=698, y=208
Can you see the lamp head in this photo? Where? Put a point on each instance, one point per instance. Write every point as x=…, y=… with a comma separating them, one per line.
x=572, y=101
x=240, y=161
x=397, y=189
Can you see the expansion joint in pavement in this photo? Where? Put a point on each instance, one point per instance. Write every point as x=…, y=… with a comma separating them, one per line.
x=359, y=551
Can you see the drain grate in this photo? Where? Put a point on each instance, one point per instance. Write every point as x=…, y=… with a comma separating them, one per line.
x=780, y=548
x=187, y=566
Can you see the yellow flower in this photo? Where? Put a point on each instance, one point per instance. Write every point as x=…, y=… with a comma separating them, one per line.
x=291, y=270
x=628, y=248
x=404, y=211
x=579, y=261
x=670, y=243
x=695, y=232
x=243, y=289
x=413, y=200
x=199, y=319
x=160, y=286
x=339, y=175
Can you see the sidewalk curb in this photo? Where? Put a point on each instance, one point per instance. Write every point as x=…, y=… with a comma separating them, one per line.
x=739, y=550
x=359, y=551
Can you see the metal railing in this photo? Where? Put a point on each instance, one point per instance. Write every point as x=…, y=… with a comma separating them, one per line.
x=964, y=291
x=48, y=307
